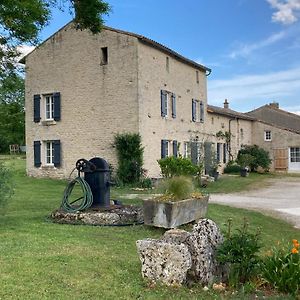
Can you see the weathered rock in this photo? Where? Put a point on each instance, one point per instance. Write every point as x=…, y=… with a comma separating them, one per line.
x=176, y=236
x=202, y=244
x=164, y=262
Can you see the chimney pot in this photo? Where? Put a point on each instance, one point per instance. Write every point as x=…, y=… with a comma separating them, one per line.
x=274, y=104
x=226, y=104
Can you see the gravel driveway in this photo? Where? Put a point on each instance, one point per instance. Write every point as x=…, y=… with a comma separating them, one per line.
x=280, y=198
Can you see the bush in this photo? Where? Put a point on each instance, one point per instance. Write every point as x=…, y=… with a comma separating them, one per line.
x=261, y=157
x=145, y=183
x=6, y=188
x=232, y=168
x=282, y=268
x=178, y=187
x=177, y=166
x=130, y=157
x=240, y=253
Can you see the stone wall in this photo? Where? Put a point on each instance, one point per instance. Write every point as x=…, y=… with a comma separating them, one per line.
x=97, y=100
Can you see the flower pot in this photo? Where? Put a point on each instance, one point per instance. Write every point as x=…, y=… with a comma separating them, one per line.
x=244, y=172
x=173, y=214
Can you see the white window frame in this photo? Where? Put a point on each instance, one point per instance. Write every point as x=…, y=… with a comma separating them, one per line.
x=49, y=107
x=268, y=135
x=294, y=154
x=49, y=153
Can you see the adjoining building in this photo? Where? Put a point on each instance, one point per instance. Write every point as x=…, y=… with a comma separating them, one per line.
x=83, y=89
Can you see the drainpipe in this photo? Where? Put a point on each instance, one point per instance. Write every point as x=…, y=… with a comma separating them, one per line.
x=229, y=143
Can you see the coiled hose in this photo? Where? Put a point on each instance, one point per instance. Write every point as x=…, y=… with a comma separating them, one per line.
x=87, y=196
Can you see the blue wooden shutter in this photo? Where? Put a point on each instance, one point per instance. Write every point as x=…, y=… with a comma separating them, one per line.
x=164, y=144
x=194, y=152
x=36, y=108
x=175, y=148
x=173, y=106
x=194, y=110
x=163, y=103
x=224, y=153
x=201, y=112
x=56, y=149
x=208, y=157
x=56, y=113
x=37, y=153
x=218, y=152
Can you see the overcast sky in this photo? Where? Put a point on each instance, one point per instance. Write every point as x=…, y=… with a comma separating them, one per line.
x=252, y=46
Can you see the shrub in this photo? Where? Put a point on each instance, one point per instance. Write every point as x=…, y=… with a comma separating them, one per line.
x=240, y=253
x=261, y=157
x=130, y=157
x=6, y=188
x=281, y=268
x=232, y=168
x=145, y=183
x=177, y=166
x=177, y=188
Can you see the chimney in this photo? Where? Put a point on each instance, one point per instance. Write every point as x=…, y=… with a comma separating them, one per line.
x=274, y=105
x=226, y=104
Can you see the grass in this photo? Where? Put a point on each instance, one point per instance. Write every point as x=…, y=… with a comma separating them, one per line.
x=43, y=260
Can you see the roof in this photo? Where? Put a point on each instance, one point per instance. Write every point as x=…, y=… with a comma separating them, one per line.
x=228, y=113
x=275, y=116
x=145, y=40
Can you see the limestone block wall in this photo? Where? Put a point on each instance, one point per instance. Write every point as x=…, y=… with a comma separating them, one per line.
x=240, y=130
x=159, y=71
x=281, y=139
x=97, y=100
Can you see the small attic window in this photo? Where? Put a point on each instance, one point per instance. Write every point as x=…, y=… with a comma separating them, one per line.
x=167, y=64
x=104, y=56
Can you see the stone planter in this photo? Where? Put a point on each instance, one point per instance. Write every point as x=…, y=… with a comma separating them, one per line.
x=173, y=214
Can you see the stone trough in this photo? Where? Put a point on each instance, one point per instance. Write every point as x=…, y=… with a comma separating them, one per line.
x=114, y=216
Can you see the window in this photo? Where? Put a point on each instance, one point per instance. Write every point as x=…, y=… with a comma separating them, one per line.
x=242, y=133
x=268, y=135
x=197, y=111
x=164, y=148
x=104, y=56
x=195, y=152
x=47, y=153
x=168, y=104
x=197, y=76
x=49, y=107
x=295, y=154
x=167, y=64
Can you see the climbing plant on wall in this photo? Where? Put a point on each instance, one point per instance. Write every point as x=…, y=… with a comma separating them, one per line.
x=130, y=157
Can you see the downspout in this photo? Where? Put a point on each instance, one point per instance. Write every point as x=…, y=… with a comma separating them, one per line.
x=229, y=142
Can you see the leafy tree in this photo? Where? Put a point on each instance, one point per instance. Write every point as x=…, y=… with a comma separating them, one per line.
x=12, y=115
x=22, y=20
x=260, y=156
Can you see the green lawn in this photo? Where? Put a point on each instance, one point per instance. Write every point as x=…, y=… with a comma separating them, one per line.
x=43, y=260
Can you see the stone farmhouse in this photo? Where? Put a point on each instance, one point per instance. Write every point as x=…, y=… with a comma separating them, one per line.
x=82, y=89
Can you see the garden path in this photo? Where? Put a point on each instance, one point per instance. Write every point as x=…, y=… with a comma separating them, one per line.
x=280, y=198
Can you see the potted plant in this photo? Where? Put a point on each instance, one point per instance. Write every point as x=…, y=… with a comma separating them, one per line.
x=244, y=160
x=178, y=205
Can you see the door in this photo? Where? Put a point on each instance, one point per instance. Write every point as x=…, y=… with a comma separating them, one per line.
x=280, y=159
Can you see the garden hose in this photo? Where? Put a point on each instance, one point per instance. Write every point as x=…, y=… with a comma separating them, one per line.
x=87, y=198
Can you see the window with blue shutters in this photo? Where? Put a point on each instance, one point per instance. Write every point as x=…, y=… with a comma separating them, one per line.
x=197, y=111
x=47, y=108
x=168, y=104
x=164, y=148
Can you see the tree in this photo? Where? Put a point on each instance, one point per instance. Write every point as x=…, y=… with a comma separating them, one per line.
x=22, y=20
x=12, y=115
